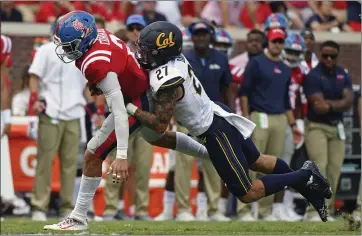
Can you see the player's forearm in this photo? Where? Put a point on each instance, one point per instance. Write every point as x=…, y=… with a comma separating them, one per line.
x=114, y=97
x=122, y=133
x=151, y=120
x=121, y=126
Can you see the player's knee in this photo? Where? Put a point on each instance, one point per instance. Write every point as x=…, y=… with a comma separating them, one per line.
x=245, y=199
x=264, y=164
x=259, y=162
x=92, y=165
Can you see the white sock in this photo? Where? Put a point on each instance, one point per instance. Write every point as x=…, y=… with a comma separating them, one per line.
x=168, y=201
x=288, y=198
x=120, y=205
x=88, y=187
x=222, y=205
x=132, y=210
x=201, y=203
x=187, y=145
x=277, y=207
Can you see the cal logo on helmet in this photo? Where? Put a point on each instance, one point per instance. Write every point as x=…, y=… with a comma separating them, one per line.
x=166, y=42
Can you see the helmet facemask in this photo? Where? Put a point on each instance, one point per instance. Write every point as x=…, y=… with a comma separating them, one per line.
x=145, y=56
x=68, y=52
x=224, y=48
x=291, y=57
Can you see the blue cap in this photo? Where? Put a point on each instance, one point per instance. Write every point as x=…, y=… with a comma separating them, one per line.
x=136, y=19
x=200, y=26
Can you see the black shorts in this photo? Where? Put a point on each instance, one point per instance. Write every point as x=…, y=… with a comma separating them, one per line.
x=230, y=154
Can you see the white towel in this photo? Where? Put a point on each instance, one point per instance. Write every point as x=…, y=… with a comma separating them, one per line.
x=244, y=125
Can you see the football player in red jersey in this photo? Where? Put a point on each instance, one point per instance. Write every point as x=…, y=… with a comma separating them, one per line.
x=6, y=63
x=7, y=186
x=109, y=65
x=293, y=56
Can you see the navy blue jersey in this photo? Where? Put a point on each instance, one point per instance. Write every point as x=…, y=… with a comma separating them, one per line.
x=331, y=84
x=266, y=84
x=213, y=72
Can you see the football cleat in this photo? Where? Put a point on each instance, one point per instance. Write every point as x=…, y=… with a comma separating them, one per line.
x=319, y=204
x=68, y=224
x=317, y=181
x=317, y=190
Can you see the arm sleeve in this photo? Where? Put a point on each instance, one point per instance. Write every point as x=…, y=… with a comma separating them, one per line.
x=311, y=85
x=114, y=97
x=248, y=78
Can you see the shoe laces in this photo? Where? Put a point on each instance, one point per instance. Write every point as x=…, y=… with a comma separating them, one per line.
x=66, y=221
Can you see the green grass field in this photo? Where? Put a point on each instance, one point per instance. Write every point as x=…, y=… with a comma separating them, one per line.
x=25, y=226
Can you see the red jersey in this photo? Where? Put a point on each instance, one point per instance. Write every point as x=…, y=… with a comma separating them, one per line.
x=262, y=12
x=5, y=49
x=296, y=88
x=110, y=54
x=238, y=73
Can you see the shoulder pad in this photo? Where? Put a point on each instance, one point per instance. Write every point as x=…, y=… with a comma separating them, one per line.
x=172, y=83
x=95, y=65
x=164, y=77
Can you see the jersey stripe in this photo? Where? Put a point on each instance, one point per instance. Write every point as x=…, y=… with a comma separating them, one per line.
x=105, y=52
x=97, y=58
x=237, y=71
x=10, y=45
x=6, y=44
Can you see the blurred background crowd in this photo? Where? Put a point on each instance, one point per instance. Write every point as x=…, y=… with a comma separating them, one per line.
x=226, y=75
x=317, y=15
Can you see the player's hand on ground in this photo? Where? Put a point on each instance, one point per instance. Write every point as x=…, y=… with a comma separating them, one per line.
x=6, y=130
x=119, y=170
x=38, y=107
x=297, y=135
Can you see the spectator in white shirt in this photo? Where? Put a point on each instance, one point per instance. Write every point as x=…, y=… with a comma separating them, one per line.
x=171, y=10
x=57, y=96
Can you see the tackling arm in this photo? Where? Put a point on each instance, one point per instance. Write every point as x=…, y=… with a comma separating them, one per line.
x=164, y=105
x=114, y=97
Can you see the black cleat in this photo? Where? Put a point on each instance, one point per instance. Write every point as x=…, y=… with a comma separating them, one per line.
x=317, y=181
x=318, y=202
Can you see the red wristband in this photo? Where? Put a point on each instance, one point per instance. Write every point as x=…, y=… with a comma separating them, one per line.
x=33, y=98
x=101, y=109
